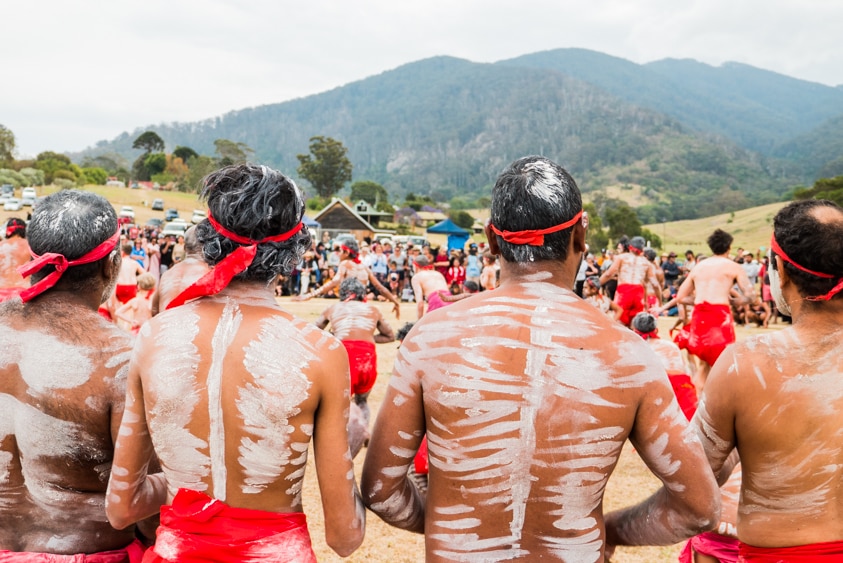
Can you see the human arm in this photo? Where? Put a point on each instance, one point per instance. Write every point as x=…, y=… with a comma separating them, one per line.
x=385, y=332
x=325, y=318
x=419, y=295
x=342, y=505
x=132, y=493
x=745, y=286
x=611, y=271
x=126, y=312
x=396, y=437
x=682, y=294
x=689, y=501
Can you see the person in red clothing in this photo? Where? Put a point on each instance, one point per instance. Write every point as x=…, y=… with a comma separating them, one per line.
x=358, y=325
x=14, y=252
x=456, y=272
x=710, y=282
x=777, y=399
x=228, y=391
x=636, y=276
x=62, y=390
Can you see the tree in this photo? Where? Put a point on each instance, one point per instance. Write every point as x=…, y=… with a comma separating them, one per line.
x=462, y=219
x=370, y=192
x=51, y=162
x=327, y=167
x=231, y=152
x=622, y=220
x=148, y=142
x=155, y=163
x=596, y=237
x=824, y=188
x=184, y=153
x=94, y=175
x=7, y=144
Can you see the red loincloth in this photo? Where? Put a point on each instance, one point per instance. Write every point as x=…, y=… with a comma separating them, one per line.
x=722, y=548
x=125, y=293
x=710, y=331
x=197, y=528
x=686, y=393
x=420, y=462
x=434, y=300
x=132, y=553
x=681, y=337
x=828, y=552
x=7, y=293
x=630, y=298
x=363, y=365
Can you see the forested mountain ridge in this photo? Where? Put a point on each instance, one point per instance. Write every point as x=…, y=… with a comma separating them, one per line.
x=446, y=127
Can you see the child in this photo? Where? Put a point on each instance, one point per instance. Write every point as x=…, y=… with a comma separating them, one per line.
x=137, y=310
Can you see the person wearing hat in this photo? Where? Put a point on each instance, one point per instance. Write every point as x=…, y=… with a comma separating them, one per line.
x=635, y=276
x=671, y=270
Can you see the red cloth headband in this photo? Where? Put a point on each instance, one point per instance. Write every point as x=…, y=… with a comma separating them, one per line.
x=533, y=237
x=12, y=229
x=351, y=253
x=221, y=275
x=61, y=263
x=774, y=245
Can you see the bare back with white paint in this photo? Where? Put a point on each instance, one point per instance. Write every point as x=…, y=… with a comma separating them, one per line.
x=62, y=385
x=527, y=395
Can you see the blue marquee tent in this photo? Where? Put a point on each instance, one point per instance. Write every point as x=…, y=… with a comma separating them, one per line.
x=457, y=236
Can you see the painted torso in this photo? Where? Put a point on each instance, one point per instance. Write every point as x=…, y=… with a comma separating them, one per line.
x=62, y=385
x=353, y=320
x=14, y=252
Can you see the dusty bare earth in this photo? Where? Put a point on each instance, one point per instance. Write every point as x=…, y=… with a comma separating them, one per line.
x=630, y=483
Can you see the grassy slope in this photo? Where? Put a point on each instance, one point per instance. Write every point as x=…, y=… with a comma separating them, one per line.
x=751, y=228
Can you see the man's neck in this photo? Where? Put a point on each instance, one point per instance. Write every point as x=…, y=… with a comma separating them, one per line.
x=561, y=274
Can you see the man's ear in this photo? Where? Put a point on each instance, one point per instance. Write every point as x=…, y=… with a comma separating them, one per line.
x=110, y=266
x=493, y=240
x=578, y=234
x=784, y=278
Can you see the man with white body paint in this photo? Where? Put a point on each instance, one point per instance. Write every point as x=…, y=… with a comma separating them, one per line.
x=527, y=395
x=711, y=281
x=14, y=252
x=354, y=322
x=183, y=273
x=228, y=389
x=429, y=286
x=62, y=387
x=636, y=275
x=778, y=398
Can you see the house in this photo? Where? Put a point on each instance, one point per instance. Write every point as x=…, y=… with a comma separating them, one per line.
x=339, y=217
x=370, y=214
x=429, y=218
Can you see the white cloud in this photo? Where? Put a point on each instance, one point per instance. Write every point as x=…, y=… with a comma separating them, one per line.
x=87, y=70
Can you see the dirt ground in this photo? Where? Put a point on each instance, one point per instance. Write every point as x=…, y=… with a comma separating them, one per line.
x=630, y=483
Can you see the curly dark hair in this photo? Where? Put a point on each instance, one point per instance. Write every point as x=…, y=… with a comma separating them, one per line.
x=535, y=193
x=810, y=232
x=720, y=241
x=255, y=202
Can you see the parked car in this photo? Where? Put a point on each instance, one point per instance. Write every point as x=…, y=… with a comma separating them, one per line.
x=158, y=204
x=30, y=191
x=4, y=198
x=198, y=216
x=28, y=200
x=171, y=214
x=155, y=222
x=7, y=189
x=13, y=204
x=127, y=211
x=174, y=228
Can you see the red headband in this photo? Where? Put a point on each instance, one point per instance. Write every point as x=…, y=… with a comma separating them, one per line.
x=12, y=229
x=61, y=263
x=351, y=253
x=533, y=237
x=774, y=245
x=221, y=275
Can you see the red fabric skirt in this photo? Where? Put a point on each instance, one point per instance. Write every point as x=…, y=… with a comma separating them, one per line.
x=710, y=331
x=828, y=552
x=630, y=298
x=686, y=393
x=197, y=528
x=420, y=462
x=132, y=553
x=722, y=548
x=363, y=365
x=434, y=300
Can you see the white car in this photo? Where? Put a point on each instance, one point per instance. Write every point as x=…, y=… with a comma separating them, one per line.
x=174, y=228
x=28, y=192
x=127, y=211
x=199, y=215
x=12, y=204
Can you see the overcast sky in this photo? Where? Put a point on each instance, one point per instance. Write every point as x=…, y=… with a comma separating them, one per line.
x=78, y=72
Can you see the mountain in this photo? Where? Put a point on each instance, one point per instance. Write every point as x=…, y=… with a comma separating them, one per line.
x=757, y=109
x=446, y=127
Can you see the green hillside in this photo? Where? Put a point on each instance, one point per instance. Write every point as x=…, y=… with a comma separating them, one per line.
x=445, y=127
